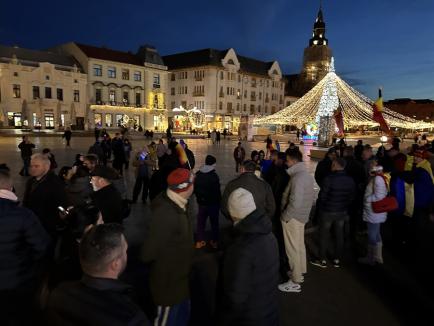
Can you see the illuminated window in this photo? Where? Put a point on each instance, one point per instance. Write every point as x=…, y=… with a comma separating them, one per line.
x=17, y=91
x=315, y=42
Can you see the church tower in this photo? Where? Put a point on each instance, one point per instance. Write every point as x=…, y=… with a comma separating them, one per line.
x=317, y=55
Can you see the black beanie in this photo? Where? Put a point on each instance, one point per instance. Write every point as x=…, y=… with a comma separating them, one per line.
x=210, y=160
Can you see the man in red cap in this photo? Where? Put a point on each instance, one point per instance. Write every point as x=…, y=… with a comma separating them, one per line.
x=169, y=249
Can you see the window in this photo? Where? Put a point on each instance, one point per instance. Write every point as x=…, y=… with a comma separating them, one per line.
x=47, y=92
x=138, y=99
x=60, y=94
x=111, y=72
x=137, y=76
x=245, y=94
x=260, y=95
x=244, y=107
x=98, y=119
x=172, y=105
x=75, y=81
x=98, y=95
x=36, y=92
x=238, y=94
x=172, y=91
x=125, y=97
x=156, y=80
x=76, y=96
x=97, y=70
x=119, y=119
x=112, y=96
x=137, y=120
x=15, y=74
x=108, y=120
x=172, y=77
x=125, y=74
x=238, y=106
x=16, y=91
x=239, y=78
x=49, y=120
x=220, y=105
x=221, y=75
x=47, y=77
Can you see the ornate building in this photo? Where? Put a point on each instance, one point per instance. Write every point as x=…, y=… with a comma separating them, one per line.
x=316, y=60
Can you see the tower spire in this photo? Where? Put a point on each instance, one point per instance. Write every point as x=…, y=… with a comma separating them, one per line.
x=318, y=35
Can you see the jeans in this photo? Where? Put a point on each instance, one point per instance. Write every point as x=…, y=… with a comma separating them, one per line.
x=176, y=315
x=374, y=235
x=327, y=221
x=141, y=182
x=213, y=212
x=26, y=165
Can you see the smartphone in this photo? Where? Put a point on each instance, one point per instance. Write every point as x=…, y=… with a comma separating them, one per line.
x=143, y=155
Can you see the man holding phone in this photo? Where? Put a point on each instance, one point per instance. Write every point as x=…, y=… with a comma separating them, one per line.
x=143, y=165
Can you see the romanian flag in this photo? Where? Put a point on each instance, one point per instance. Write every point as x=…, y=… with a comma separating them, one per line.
x=182, y=156
x=339, y=118
x=378, y=113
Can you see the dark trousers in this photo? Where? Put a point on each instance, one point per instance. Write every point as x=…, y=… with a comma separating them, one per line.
x=238, y=165
x=141, y=182
x=202, y=215
x=283, y=258
x=326, y=223
x=68, y=140
x=26, y=165
x=176, y=315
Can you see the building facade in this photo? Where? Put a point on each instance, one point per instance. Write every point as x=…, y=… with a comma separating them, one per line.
x=124, y=89
x=214, y=89
x=419, y=109
x=41, y=89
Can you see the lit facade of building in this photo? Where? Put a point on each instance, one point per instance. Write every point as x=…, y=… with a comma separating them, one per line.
x=226, y=87
x=124, y=89
x=40, y=89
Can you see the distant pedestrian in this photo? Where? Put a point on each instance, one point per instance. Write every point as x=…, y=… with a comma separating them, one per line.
x=118, y=153
x=298, y=134
x=277, y=145
x=67, y=135
x=96, y=133
x=296, y=206
x=239, y=156
x=127, y=150
x=208, y=196
x=26, y=148
x=358, y=149
x=213, y=136
x=218, y=137
x=250, y=266
x=143, y=164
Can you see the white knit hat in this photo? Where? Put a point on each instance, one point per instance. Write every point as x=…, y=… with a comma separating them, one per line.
x=240, y=204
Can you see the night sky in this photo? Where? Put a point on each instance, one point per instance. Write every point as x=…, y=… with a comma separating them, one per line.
x=388, y=43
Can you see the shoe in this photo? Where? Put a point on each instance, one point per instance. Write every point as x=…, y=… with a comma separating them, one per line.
x=289, y=286
x=319, y=263
x=214, y=244
x=290, y=276
x=336, y=263
x=200, y=244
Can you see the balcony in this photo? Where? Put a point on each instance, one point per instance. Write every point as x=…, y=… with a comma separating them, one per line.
x=252, y=98
x=221, y=94
x=198, y=78
x=197, y=94
x=156, y=86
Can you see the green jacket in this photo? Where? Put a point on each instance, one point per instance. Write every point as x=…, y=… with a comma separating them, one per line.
x=169, y=249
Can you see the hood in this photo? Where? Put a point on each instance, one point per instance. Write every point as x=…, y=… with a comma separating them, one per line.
x=207, y=168
x=254, y=223
x=296, y=168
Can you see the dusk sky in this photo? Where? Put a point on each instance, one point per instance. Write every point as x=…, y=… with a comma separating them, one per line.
x=386, y=43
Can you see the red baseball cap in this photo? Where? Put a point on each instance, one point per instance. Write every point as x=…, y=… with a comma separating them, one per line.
x=180, y=180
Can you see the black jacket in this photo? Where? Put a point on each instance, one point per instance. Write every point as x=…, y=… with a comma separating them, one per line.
x=207, y=188
x=93, y=302
x=23, y=242
x=109, y=202
x=169, y=248
x=261, y=191
x=26, y=149
x=323, y=169
x=355, y=170
x=337, y=193
x=44, y=197
x=250, y=275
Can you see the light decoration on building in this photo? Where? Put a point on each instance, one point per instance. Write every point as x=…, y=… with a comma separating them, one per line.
x=356, y=108
x=195, y=116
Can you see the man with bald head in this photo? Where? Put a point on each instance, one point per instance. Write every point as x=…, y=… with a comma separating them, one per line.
x=44, y=193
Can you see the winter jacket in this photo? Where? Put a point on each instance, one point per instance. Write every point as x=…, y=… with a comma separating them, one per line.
x=298, y=196
x=337, y=193
x=43, y=197
x=250, y=274
x=207, y=186
x=323, y=169
x=97, y=150
x=375, y=191
x=23, y=242
x=169, y=248
x=26, y=149
x=355, y=170
x=261, y=191
x=423, y=188
x=109, y=202
x=94, y=302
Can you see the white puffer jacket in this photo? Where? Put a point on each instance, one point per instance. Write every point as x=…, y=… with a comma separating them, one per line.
x=375, y=191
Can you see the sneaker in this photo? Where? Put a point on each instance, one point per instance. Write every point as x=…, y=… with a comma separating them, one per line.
x=336, y=263
x=319, y=263
x=290, y=276
x=200, y=244
x=289, y=286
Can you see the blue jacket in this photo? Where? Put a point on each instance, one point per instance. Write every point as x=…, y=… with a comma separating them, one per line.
x=423, y=188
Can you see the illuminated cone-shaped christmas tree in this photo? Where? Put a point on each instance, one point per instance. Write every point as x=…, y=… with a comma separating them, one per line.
x=328, y=103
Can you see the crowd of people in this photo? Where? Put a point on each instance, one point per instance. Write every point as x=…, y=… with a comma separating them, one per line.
x=64, y=250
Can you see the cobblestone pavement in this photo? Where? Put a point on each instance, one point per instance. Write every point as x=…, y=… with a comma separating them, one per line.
x=345, y=296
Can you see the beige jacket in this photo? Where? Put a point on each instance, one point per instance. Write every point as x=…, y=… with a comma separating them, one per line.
x=297, y=199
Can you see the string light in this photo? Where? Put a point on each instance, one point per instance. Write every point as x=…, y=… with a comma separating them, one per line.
x=329, y=94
